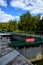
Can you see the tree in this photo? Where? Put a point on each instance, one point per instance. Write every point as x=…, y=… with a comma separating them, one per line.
x=24, y=21
x=41, y=25
x=0, y=27
x=28, y=22
x=12, y=25
x=34, y=23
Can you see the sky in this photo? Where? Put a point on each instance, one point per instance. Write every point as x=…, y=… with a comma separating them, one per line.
x=12, y=9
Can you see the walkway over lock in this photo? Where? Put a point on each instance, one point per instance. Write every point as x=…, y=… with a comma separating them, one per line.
x=18, y=39
x=25, y=39
x=30, y=46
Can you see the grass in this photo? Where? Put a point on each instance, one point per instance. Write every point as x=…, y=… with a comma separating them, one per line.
x=29, y=32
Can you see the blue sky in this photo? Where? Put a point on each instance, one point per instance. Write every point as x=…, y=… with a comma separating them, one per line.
x=12, y=9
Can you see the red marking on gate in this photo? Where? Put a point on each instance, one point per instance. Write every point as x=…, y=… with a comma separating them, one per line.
x=30, y=40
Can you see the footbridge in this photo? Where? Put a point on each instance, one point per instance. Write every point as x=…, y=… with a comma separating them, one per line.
x=19, y=39
x=29, y=45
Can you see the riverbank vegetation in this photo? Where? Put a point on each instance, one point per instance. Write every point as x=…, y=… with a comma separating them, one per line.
x=26, y=23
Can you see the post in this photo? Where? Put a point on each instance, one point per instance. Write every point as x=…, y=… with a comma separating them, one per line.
x=25, y=41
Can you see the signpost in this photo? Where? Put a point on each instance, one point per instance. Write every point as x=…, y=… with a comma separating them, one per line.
x=30, y=40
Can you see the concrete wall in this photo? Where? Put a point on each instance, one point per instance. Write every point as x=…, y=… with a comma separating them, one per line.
x=31, y=52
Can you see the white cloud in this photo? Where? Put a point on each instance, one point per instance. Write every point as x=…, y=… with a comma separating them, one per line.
x=4, y=17
x=17, y=3
x=23, y=4
x=17, y=18
x=35, y=7
x=3, y=3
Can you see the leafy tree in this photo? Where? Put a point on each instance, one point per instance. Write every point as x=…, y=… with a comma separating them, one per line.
x=28, y=22
x=5, y=26
x=12, y=25
x=41, y=25
x=0, y=27
x=24, y=21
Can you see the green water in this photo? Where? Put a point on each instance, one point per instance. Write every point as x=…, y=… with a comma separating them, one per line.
x=40, y=62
